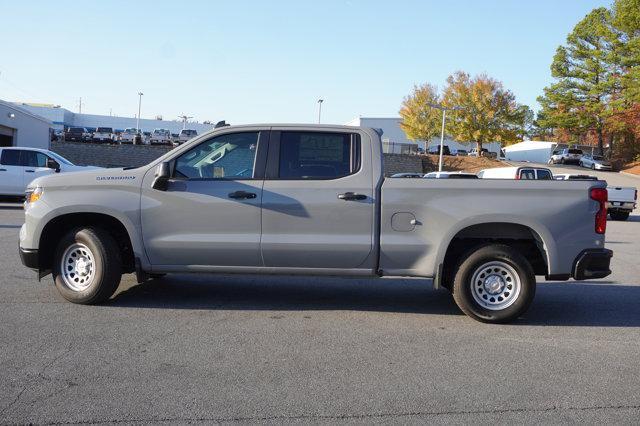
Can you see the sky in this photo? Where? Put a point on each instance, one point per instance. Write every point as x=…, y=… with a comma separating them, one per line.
x=270, y=61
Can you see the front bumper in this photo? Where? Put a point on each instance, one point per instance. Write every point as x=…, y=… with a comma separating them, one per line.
x=592, y=263
x=30, y=258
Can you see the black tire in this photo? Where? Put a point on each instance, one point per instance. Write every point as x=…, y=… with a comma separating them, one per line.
x=562, y=160
x=619, y=215
x=506, y=258
x=593, y=167
x=580, y=164
x=106, y=262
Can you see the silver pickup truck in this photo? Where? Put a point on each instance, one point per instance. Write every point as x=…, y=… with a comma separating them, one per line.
x=311, y=199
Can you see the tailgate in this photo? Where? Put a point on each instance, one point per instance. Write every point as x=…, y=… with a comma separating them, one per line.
x=624, y=194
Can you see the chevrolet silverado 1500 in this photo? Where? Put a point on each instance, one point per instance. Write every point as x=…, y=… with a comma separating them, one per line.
x=311, y=199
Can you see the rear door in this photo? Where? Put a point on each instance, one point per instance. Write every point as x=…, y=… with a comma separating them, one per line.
x=11, y=172
x=318, y=200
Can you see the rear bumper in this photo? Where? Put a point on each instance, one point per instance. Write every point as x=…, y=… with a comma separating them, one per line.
x=30, y=258
x=616, y=205
x=592, y=263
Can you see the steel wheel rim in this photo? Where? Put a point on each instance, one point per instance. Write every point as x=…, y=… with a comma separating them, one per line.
x=77, y=267
x=495, y=285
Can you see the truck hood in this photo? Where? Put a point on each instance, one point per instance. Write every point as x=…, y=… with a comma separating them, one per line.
x=92, y=177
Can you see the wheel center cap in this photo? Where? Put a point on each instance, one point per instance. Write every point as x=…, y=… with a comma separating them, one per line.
x=82, y=266
x=493, y=284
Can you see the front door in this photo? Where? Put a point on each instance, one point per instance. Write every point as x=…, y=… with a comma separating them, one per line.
x=35, y=165
x=318, y=201
x=209, y=215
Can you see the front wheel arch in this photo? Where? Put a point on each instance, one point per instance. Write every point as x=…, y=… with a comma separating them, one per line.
x=59, y=226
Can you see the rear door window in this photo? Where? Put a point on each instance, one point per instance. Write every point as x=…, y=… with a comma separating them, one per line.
x=318, y=155
x=10, y=157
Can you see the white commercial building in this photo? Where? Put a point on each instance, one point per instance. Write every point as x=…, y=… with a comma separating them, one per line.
x=63, y=118
x=394, y=140
x=19, y=127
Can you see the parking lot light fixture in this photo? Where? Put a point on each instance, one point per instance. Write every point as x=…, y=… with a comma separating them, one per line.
x=139, y=106
x=320, y=101
x=444, y=110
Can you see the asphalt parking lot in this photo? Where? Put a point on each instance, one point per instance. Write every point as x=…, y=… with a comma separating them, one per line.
x=221, y=349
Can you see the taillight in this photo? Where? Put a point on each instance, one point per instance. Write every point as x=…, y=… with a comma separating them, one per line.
x=600, y=195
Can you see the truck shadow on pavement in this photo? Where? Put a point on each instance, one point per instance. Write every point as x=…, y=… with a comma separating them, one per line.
x=603, y=304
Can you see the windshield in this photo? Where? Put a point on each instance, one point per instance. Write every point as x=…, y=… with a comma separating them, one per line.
x=598, y=157
x=574, y=151
x=104, y=130
x=61, y=159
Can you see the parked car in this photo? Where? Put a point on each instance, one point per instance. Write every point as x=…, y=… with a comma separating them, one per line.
x=485, y=153
x=57, y=135
x=594, y=162
x=146, y=137
x=407, y=175
x=518, y=173
x=74, y=134
x=104, y=134
x=621, y=202
x=19, y=166
x=436, y=150
x=450, y=175
x=128, y=135
x=460, y=152
x=87, y=135
x=312, y=200
x=566, y=156
x=160, y=136
x=186, y=134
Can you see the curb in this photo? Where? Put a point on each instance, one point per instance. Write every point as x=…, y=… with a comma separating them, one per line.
x=630, y=175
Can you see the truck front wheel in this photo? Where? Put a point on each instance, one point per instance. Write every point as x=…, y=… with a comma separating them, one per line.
x=494, y=284
x=87, y=266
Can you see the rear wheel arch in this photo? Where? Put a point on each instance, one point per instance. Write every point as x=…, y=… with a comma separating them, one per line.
x=60, y=225
x=523, y=238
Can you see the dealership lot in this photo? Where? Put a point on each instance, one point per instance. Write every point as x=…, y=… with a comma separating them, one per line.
x=286, y=349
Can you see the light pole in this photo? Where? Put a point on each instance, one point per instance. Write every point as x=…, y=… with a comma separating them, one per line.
x=184, y=119
x=444, y=110
x=320, y=101
x=139, y=106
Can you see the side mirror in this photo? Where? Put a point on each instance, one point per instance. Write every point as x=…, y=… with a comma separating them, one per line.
x=163, y=173
x=53, y=164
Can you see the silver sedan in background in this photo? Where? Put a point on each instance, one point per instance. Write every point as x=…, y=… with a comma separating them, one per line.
x=595, y=162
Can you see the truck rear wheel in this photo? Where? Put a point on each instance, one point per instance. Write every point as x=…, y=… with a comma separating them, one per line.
x=87, y=266
x=617, y=215
x=494, y=284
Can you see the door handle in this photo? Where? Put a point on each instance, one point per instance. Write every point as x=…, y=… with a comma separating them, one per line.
x=239, y=195
x=349, y=196
x=30, y=171
x=3, y=170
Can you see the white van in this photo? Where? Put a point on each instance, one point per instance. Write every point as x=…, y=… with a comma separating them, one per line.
x=518, y=173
